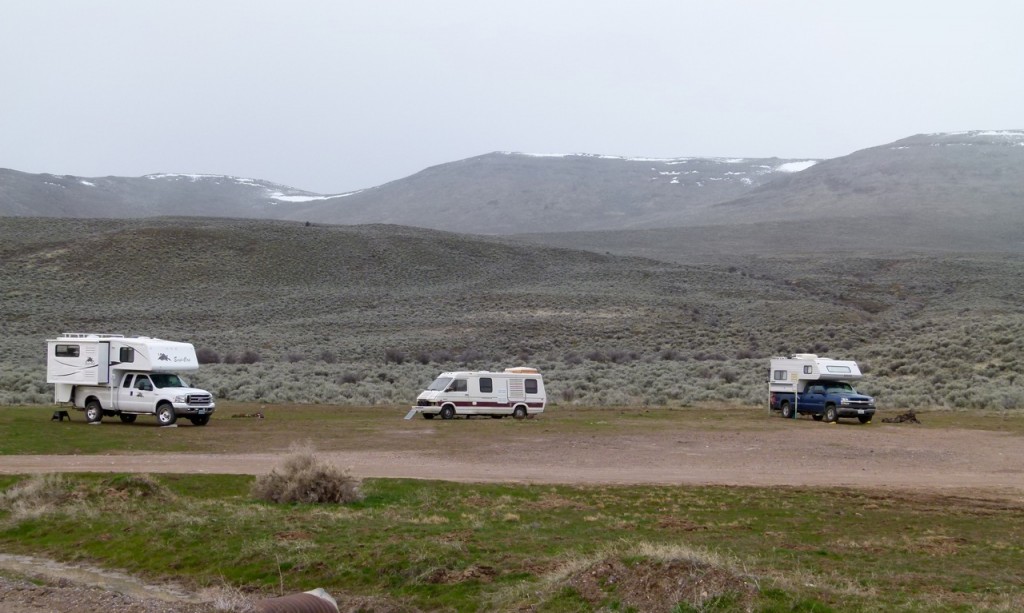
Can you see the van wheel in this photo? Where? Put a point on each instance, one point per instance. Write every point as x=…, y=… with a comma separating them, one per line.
x=128, y=418
x=831, y=415
x=165, y=414
x=787, y=410
x=93, y=411
x=447, y=412
x=519, y=412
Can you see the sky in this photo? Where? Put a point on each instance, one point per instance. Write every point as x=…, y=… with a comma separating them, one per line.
x=337, y=95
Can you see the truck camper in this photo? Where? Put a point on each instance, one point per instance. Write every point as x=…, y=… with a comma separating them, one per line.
x=518, y=392
x=110, y=374
x=818, y=386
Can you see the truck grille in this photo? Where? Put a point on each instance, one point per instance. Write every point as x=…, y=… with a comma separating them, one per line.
x=199, y=400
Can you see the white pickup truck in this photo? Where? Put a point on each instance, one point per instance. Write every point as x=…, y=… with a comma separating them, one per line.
x=109, y=374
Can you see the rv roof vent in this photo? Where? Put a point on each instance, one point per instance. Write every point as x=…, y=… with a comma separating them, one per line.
x=804, y=356
x=523, y=370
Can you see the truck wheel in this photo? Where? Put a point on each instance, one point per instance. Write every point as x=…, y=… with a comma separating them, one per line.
x=447, y=412
x=519, y=412
x=199, y=420
x=93, y=411
x=128, y=418
x=165, y=414
x=864, y=419
x=831, y=415
x=787, y=410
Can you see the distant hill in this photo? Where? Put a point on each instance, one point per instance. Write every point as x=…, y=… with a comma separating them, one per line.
x=925, y=181
x=501, y=193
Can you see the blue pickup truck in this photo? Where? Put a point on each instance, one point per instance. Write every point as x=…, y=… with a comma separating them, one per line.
x=824, y=399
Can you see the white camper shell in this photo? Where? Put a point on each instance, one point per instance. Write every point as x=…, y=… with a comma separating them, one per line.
x=792, y=374
x=111, y=374
x=518, y=392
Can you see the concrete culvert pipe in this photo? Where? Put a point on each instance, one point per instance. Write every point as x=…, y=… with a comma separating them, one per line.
x=313, y=601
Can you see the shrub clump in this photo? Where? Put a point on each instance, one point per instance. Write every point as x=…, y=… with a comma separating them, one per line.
x=37, y=496
x=303, y=477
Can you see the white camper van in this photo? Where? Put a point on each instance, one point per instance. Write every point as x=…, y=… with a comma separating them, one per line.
x=516, y=391
x=111, y=374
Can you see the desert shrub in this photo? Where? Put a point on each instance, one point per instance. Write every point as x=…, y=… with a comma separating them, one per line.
x=37, y=496
x=295, y=357
x=350, y=377
x=207, y=356
x=394, y=356
x=249, y=357
x=328, y=357
x=441, y=355
x=669, y=354
x=596, y=356
x=568, y=394
x=305, y=478
x=469, y=356
x=572, y=359
x=135, y=486
x=423, y=357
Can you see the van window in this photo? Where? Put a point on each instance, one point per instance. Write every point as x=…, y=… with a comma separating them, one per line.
x=486, y=385
x=65, y=351
x=440, y=384
x=780, y=375
x=531, y=386
x=127, y=354
x=459, y=385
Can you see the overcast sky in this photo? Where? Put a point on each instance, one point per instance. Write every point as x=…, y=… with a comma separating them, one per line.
x=333, y=96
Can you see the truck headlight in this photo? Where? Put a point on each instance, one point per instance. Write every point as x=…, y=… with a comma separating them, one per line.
x=183, y=399
x=844, y=401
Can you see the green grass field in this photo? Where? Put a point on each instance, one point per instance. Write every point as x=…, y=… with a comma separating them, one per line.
x=434, y=545
x=442, y=546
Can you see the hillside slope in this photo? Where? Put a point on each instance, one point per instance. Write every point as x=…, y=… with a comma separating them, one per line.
x=370, y=314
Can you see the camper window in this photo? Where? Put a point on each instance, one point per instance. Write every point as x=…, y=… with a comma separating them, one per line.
x=486, y=385
x=458, y=385
x=65, y=351
x=838, y=369
x=440, y=384
x=127, y=354
x=167, y=380
x=531, y=386
x=780, y=375
x=808, y=369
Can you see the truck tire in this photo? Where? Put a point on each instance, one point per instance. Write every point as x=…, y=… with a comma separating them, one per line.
x=787, y=409
x=519, y=412
x=165, y=414
x=93, y=411
x=128, y=418
x=199, y=420
x=447, y=411
x=831, y=415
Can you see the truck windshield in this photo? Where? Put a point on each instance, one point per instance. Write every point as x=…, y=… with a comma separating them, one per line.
x=165, y=380
x=839, y=387
x=439, y=384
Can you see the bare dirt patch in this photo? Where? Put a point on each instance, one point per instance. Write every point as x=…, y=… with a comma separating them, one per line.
x=601, y=447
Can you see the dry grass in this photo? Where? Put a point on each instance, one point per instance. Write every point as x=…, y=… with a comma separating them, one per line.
x=305, y=478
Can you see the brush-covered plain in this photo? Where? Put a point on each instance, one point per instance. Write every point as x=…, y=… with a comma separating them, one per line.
x=285, y=312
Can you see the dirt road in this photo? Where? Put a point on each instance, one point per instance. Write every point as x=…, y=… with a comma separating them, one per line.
x=900, y=457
